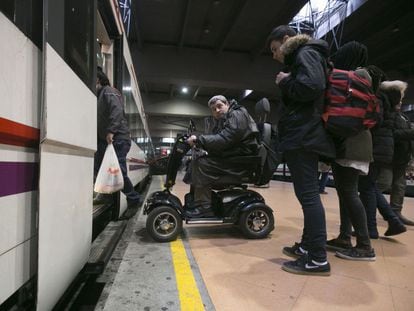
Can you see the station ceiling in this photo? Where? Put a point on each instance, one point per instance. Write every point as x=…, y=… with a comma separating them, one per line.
x=218, y=47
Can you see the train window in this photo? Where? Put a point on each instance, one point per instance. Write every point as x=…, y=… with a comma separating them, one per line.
x=71, y=32
x=133, y=115
x=27, y=16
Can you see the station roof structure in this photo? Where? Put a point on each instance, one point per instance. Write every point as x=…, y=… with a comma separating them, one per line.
x=218, y=47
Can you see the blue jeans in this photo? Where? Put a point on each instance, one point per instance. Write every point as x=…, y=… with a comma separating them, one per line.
x=303, y=167
x=121, y=149
x=372, y=198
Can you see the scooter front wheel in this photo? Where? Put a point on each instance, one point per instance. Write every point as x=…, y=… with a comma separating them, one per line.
x=256, y=223
x=164, y=224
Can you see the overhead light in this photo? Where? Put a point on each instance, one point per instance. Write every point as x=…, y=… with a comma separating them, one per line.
x=184, y=90
x=247, y=93
x=127, y=88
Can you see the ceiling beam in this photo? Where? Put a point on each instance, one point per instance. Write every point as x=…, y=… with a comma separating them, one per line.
x=237, y=10
x=171, y=90
x=185, y=22
x=200, y=67
x=196, y=92
x=282, y=17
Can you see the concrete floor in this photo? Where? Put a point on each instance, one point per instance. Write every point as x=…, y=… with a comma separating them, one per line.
x=233, y=273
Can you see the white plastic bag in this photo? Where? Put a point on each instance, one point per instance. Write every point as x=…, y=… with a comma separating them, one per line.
x=109, y=179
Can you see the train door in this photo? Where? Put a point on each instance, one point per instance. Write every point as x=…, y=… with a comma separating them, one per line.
x=67, y=145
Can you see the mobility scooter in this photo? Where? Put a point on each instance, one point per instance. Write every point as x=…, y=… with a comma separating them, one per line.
x=232, y=203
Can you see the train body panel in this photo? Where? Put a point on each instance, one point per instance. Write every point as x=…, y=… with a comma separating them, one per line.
x=66, y=179
x=48, y=139
x=20, y=61
x=19, y=136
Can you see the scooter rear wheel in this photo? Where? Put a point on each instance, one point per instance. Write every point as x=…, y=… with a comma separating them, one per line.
x=164, y=224
x=256, y=223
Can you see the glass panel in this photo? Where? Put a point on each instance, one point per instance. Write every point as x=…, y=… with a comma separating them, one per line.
x=71, y=32
x=27, y=16
x=134, y=119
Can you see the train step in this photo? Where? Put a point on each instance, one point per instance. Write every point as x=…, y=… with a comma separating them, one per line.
x=103, y=247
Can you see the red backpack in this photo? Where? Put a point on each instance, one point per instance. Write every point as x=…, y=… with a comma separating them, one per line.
x=350, y=104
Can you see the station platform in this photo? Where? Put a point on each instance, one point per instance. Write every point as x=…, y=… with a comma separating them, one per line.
x=213, y=267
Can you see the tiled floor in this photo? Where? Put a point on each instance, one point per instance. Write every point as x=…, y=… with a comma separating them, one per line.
x=246, y=275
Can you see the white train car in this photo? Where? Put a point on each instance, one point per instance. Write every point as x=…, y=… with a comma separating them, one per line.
x=48, y=139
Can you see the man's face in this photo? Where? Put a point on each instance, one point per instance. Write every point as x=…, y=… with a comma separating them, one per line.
x=98, y=85
x=275, y=48
x=219, y=109
x=398, y=106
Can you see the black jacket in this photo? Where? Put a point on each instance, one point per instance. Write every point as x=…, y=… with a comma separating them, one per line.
x=237, y=137
x=303, y=96
x=382, y=135
x=403, y=139
x=111, y=115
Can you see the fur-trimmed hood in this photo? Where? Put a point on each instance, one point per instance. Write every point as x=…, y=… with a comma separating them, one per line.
x=394, y=90
x=395, y=85
x=292, y=45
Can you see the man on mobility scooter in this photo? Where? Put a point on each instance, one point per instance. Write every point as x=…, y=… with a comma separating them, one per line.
x=223, y=164
x=237, y=137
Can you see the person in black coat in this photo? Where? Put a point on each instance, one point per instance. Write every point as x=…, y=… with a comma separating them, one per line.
x=237, y=136
x=403, y=135
x=383, y=151
x=303, y=139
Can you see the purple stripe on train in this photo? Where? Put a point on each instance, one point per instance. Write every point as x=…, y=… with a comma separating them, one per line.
x=18, y=177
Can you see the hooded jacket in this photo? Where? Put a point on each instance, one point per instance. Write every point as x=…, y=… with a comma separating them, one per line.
x=237, y=136
x=303, y=96
x=382, y=135
x=403, y=133
x=111, y=115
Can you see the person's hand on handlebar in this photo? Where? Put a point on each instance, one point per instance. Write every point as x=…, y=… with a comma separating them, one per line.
x=192, y=140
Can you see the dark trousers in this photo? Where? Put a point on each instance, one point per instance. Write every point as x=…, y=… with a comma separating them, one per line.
x=324, y=177
x=372, y=198
x=350, y=205
x=121, y=149
x=398, y=186
x=303, y=167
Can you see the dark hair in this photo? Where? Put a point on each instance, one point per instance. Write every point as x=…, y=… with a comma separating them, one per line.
x=279, y=32
x=350, y=56
x=377, y=76
x=102, y=77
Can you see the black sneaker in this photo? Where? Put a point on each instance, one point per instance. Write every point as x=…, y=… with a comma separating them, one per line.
x=356, y=254
x=338, y=244
x=294, y=251
x=395, y=226
x=304, y=265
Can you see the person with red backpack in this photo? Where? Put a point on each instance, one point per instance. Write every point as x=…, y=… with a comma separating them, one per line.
x=303, y=139
x=353, y=156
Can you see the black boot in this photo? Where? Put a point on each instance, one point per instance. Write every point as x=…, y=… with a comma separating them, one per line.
x=404, y=220
x=395, y=226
